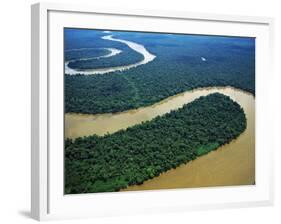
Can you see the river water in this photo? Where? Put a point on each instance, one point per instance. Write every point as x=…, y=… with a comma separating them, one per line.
x=147, y=57
x=232, y=164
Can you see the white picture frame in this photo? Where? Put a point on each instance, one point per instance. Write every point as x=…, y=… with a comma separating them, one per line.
x=47, y=198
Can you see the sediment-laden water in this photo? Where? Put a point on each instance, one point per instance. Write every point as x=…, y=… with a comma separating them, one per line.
x=231, y=164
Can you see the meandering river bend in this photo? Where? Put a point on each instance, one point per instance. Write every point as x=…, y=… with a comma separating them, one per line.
x=232, y=164
x=147, y=57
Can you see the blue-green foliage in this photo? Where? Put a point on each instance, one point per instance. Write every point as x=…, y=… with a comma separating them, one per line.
x=76, y=54
x=230, y=61
x=126, y=57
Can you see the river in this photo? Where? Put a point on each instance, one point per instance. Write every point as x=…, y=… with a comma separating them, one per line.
x=147, y=57
x=232, y=164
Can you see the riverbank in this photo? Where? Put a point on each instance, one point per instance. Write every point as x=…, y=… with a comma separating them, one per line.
x=231, y=164
x=79, y=125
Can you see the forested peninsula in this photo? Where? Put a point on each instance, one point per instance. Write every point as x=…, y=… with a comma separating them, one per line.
x=128, y=157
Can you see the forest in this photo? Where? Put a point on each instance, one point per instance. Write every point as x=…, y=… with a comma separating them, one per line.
x=126, y=57
x=75, y=54
x=177, y=68
x=128, y=157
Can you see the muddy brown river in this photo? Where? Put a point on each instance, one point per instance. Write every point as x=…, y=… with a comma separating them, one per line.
x=231, y=164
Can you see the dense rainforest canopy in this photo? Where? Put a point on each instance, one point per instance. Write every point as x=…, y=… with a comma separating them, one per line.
x=178, y=67
x=127, y=157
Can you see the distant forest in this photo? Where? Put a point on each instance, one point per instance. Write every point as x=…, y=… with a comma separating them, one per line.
x=178, y=67
x=126, y=57
x=141, y=152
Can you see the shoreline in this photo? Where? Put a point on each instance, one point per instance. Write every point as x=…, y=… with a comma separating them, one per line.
x=80, y=125
x=232, y=164
x=229, y=165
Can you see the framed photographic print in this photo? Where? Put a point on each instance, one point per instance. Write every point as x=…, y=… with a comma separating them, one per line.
x=148, y=111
